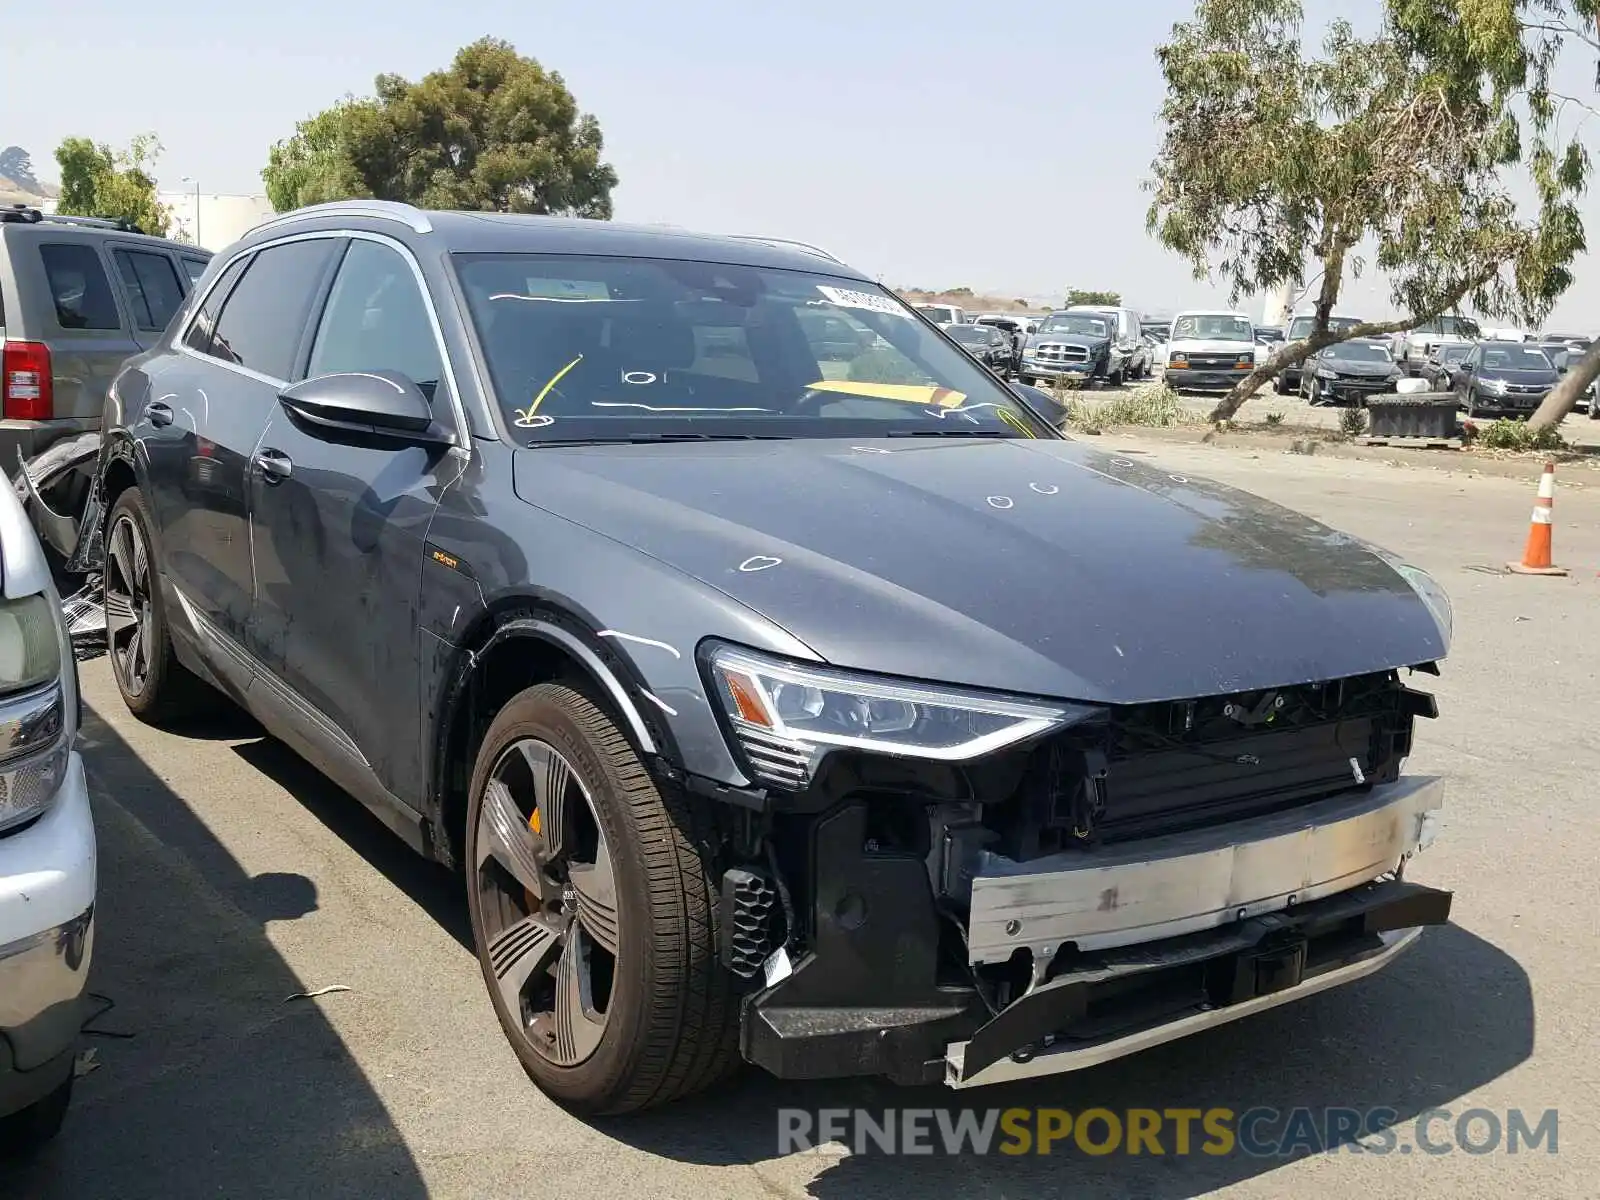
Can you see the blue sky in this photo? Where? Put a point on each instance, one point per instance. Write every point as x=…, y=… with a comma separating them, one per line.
x=926, y=141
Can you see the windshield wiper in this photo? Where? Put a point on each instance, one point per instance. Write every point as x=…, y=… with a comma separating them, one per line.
x=957, y=432
x=638, y=439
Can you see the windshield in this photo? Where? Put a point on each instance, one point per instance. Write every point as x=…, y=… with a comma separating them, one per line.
x=1450, y=326
x=1301, y=327
x=1453, y=352
x=628, y=349
x=1512, y=357
x=1079, y=323
x=939, y=314
x=1218, y=327
x=1360, y=352
x=971, y=334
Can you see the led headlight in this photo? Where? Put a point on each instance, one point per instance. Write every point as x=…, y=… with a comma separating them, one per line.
x=1495, y=387
x=1325, y=373
x=784, y=714
x=38, y=709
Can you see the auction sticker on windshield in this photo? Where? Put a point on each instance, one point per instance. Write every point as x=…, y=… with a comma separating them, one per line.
x=845, y=298
x=905, y=393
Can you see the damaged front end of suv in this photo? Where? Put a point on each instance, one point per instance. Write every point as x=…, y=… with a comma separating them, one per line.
x=985, y=888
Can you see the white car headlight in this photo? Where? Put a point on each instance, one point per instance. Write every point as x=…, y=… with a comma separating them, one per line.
x=784, y=714
x=1495, y=387
x=1326, y=373
x=38, y=706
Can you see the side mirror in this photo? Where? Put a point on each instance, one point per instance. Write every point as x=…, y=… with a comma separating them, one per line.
x=372, y=403
x=1042, y=402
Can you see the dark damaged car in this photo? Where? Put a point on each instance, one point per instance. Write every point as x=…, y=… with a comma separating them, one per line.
x=845, y=719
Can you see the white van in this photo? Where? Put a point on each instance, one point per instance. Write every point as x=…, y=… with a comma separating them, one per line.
x=1128, y=346
x=943, y=314
x=1210, y=349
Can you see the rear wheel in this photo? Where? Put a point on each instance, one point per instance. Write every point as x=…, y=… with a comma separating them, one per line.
x=593, y=913
x=154, y=684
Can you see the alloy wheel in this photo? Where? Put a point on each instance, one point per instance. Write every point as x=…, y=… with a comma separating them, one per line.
x=548, y=901
x=128, y=605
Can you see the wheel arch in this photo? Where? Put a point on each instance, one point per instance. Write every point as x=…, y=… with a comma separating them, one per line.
x=513, y=645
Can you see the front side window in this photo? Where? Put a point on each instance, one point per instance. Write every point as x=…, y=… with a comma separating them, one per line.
x=264, y=316
x=151, y=286
x=376, y=320
x=627, y=349
x=79, y=286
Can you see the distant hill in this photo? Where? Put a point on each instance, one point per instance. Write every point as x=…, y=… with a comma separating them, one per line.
x=972, y=302
x=18, y=183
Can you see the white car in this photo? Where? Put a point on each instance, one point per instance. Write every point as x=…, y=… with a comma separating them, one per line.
x=1210, y=350
x=47, y=846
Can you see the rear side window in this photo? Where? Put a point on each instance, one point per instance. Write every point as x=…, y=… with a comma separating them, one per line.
x=264, y=316
x=79, y=287
x=196, y=267
x=151, y=284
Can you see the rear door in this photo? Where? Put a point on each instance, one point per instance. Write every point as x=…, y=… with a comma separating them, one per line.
x=79, y=315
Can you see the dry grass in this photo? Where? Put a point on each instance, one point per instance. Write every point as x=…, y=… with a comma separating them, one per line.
x=1151, y=405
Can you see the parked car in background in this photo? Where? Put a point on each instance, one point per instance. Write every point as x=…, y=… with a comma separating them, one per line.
x=1349, y=372
x=1508, y=379
x=1127, y=339
x=943, y=314
x=668, y=660
x=1572, y=341
x=1270, y=336
x=1300, y=326
x=986, y=343
x=1440, y=369
x=1209, y=350
x=1413, y=347
x=48, y=861
x=1562, y=358
x=1078, y=344
x=78, y=295
x=1013, y=326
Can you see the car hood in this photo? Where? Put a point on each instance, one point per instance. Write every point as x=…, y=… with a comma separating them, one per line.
x=1548, y=378
x=1033, y=566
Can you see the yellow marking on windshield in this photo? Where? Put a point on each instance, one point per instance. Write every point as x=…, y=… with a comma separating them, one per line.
x=1016, y=422
x=904, y=393
x=545, y=390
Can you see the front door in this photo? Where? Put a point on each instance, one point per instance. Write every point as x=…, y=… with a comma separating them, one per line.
x=339, y=524
x=206, y=412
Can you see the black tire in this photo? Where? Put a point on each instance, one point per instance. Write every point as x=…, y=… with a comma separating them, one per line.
x=1281, y=384
x=1472, y=404
x=168, y=690
x=1115, y=379
x=672, y=1012
x=25, y=1133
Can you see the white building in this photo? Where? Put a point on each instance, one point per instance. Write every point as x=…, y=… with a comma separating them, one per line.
x=213, y=221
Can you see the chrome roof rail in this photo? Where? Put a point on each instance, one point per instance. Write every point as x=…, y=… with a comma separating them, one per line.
x=789, y=242
x=384, y=210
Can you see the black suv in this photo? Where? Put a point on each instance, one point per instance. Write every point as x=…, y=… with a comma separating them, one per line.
x=78, y=296
x=777, y=701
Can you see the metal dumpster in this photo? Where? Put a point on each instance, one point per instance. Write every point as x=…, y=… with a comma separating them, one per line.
x=1430, y=415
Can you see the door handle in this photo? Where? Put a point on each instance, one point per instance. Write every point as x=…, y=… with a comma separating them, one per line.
x=159, y=413
x=275, y=465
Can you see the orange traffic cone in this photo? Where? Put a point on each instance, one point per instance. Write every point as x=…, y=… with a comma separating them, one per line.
x=1536, y=554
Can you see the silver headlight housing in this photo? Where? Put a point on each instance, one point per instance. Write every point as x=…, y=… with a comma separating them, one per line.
x=38, y=706
x=787, y=715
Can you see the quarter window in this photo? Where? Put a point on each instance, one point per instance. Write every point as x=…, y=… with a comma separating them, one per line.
x=376, y=320
x=151, y=285
x=196, y=267
x=204, y=324
x=264, y=317
x=79, y=286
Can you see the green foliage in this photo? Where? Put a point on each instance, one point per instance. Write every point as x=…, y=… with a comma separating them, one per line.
x=1518, y=435
x=16, y=165
x=494, y=132
x=97, y=181
x=1104, y=299
x=1274, y=418
x=1353, y=422
x=1152, y=405
x=1402, y=141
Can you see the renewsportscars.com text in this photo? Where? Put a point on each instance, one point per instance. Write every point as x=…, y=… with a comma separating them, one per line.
x=1177, y=1132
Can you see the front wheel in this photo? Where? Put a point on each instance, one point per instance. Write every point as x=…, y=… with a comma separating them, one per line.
x=593, y=914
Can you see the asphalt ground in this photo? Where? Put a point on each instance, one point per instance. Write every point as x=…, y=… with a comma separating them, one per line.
x=233, y=877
